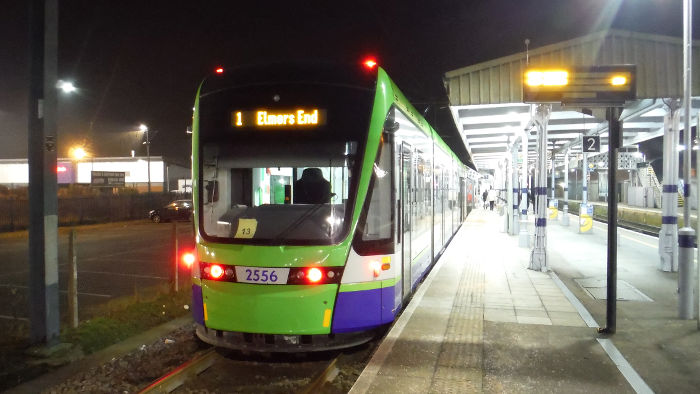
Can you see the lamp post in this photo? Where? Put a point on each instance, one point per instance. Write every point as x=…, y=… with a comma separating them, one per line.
x=41, y=153
x=686, y=235
x=144, y=129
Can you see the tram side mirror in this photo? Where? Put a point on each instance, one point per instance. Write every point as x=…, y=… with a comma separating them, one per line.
x=350, y=148
x=212, y=188
x=350, y=151
x=391, y=127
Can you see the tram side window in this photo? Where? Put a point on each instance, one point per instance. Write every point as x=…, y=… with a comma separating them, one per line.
x=377, y=230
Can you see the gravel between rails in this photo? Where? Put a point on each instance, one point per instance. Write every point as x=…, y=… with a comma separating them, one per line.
x=137, y=369
x=266, y=374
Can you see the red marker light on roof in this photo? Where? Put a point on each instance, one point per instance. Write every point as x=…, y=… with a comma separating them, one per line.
x=216, y=271
x=370, y=63
x=314, y=274
x=219, y=70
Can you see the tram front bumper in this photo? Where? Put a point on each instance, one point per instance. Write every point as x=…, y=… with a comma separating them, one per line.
x=268, y=309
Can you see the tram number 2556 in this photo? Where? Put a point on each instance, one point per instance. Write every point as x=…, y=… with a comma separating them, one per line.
x=261, y=275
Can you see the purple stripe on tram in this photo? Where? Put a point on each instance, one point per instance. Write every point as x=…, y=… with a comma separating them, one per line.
x=197, y=304
x=388, y=308
x=357, y=310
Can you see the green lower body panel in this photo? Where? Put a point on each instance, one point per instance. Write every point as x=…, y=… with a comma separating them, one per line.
x=268, y=309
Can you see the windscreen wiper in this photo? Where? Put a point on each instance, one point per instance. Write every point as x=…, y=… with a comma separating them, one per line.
x=282, y=235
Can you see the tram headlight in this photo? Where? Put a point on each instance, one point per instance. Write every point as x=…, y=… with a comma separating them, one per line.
x=215, y=271
x=314, y=275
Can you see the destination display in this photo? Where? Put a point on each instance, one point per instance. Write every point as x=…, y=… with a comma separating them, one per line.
x=268, y=118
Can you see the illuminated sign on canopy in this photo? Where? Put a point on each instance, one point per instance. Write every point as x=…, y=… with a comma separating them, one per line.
x=590, y=85
x=268, y=118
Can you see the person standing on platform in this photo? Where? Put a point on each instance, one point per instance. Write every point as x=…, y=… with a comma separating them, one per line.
x=492, y=198
x=484, y=198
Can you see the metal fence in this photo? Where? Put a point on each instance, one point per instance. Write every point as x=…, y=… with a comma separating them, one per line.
x=14, y=212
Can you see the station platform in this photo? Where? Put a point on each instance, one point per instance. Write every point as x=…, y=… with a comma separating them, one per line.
x=630, y=213
x=482, y=322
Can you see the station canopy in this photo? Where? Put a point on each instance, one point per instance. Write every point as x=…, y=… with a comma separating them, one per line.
x=486, y=99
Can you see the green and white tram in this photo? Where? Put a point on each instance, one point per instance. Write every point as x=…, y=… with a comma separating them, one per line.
x=321, y=199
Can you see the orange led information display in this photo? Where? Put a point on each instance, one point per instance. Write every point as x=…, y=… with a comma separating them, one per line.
x=264, y=118
x=602, y=85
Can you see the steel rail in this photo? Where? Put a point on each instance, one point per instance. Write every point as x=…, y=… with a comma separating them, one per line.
x=177, y=377
x=328, y=374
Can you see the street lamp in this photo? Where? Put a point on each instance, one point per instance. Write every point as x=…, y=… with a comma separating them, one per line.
x=66, y=86
x=144, y=129
x=77, y=153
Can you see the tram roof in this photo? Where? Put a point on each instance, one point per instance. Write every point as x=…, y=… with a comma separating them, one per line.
x=487, y=103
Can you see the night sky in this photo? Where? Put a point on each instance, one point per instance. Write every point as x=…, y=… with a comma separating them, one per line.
x=141, y=61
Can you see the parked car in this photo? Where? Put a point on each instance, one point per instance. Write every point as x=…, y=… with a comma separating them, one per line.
x=175, y=210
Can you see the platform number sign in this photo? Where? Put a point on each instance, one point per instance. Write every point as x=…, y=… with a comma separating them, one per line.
x=591, y=143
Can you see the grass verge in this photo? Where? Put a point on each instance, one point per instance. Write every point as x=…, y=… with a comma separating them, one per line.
x=125, y=318
x=108, y=324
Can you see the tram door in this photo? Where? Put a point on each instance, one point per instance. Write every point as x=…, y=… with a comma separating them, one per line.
x=406, y=215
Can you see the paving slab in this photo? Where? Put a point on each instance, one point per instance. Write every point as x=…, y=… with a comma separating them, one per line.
x=508, y=329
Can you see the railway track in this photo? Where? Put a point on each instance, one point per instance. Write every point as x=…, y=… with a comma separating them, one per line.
x=217, y=370
x=189, y=369
x=638, y=227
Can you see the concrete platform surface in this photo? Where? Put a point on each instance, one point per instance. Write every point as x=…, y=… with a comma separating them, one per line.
x=483, y=322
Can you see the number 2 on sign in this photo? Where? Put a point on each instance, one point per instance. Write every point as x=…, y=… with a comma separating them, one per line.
x=246, y=228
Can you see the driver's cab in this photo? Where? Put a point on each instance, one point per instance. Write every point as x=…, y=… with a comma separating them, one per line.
x=304, y=201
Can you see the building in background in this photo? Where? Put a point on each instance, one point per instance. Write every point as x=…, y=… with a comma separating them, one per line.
x=166, y=176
